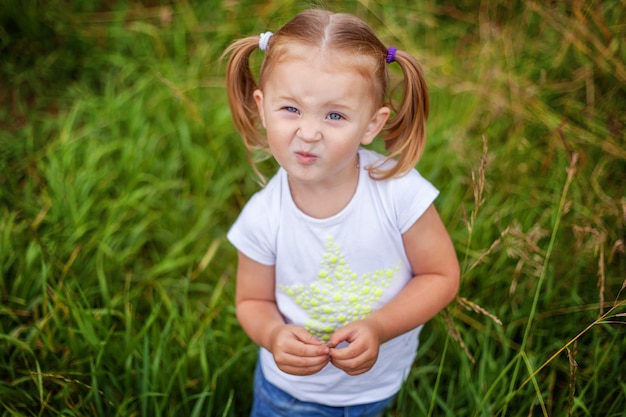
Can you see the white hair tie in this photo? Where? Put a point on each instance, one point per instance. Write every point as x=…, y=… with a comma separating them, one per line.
x=264, y=40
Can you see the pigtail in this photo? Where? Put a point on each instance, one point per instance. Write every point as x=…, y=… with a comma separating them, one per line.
x=240, y=86
x=405, y=133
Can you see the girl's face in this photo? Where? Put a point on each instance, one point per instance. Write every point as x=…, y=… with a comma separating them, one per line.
x=316, y=113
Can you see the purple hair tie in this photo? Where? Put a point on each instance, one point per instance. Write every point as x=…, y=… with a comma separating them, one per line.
x=391, y=55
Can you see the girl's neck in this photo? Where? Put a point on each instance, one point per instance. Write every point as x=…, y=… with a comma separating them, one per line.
x=327, y=200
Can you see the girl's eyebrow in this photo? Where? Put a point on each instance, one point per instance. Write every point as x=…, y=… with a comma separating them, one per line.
x=339, y=107
x=330, y=104
x=337, y=102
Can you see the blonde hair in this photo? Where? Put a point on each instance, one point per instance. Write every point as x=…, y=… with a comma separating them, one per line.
x=350, y=38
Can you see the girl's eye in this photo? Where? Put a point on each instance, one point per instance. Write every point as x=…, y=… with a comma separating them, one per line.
x=291, y=109
x=335, y=116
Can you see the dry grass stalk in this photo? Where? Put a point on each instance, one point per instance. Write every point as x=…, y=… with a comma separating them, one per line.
x=491, y=248
x=573, y=367
x=478, y=186
x=454, y=333
x=520, y=245
x=601, y=279
x=470, y=305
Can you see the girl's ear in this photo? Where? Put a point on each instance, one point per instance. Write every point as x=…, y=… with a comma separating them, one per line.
x=258, y=98
x=375, y=125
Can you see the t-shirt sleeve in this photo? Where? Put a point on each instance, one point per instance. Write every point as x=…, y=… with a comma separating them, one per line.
x=412, y=195
x=253, y=232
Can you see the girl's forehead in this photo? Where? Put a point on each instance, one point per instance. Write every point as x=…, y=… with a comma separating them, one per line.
x=324, y=59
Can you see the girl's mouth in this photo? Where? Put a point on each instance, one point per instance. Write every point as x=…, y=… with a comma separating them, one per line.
x=306, y=158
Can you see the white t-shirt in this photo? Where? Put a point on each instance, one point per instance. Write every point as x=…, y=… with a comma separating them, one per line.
x=332, y=271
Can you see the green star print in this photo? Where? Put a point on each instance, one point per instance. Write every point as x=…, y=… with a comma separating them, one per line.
x=338, y=296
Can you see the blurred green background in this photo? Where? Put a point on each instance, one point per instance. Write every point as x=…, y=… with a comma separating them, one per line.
x=120, y=173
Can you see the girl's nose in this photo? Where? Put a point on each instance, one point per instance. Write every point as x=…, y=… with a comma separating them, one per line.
x=309, y=131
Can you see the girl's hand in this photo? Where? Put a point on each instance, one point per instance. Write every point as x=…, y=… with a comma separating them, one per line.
x=296, y=351
x=361, y=353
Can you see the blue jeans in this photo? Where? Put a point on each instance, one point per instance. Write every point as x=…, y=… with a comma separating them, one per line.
x=270, y=401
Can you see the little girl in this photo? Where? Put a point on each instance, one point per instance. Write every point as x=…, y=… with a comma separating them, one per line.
x=342, y=255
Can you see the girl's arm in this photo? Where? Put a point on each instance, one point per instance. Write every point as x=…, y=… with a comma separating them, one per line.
x=434, y=284
x=295, y=350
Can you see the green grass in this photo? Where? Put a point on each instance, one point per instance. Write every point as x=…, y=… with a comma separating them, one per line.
x=120, y=173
